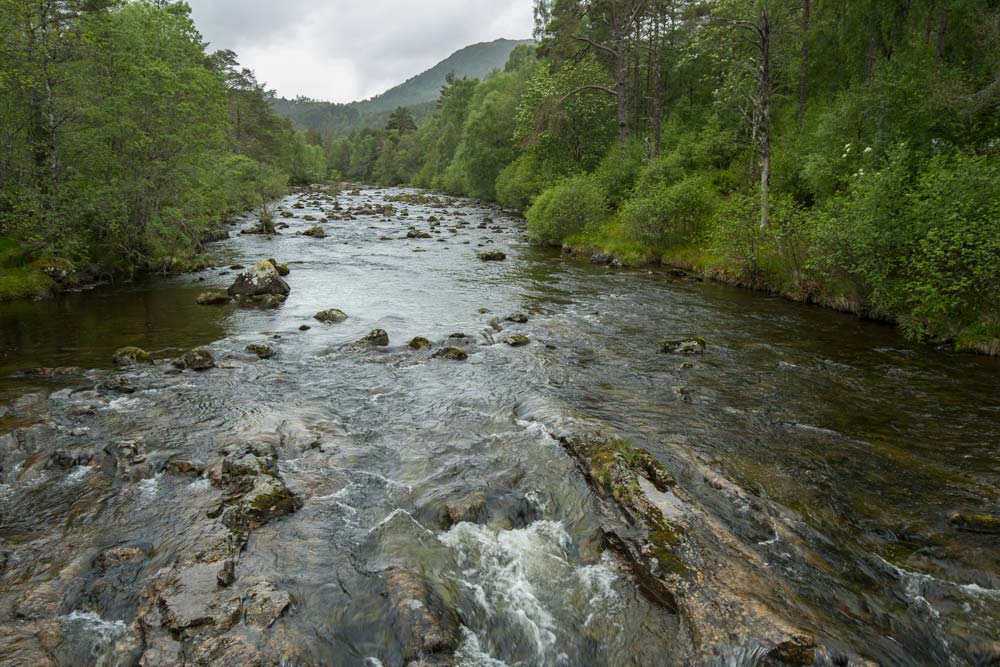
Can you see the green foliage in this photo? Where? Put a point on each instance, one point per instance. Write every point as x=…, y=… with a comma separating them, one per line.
x=664, y=214
x=575, y=205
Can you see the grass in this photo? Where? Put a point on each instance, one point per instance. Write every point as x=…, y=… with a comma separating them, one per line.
x=20, y=278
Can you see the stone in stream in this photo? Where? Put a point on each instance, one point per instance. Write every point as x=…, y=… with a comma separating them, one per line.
x=517, y=318
x=684, y=346
x=198, y=359
x=117, y=384
x=415, y=233
x=517, y=341
x=492, y=256
x=427, y=628
x=976, y=523
x=452, y=354
x=262, y=279
x=130, y=356
x=377, y=337
x=262, y=351
x=316, y=232
x=331, y=316
x=213, y=299
x=282, y=269
x=419, y=343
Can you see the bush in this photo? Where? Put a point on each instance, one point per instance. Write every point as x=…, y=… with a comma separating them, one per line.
x=619, y=171
x=668, y=214
x=771, y=257
x=573, y=206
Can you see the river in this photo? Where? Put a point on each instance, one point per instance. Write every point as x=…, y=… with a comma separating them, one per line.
x=439, y=516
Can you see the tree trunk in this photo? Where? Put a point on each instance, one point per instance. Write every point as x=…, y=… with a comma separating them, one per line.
x=764, y=119
x=804, y=73
x=942, y=34
x=657, y=66
x=621, y=91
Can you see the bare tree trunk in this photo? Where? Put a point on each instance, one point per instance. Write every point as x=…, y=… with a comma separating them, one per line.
x=764, y=113
x=656, y=66
x=621, y=91
x=804, y=73
x=942, y=34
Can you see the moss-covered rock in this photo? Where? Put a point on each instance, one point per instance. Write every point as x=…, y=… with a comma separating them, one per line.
x=517, y=318
x=415, y=233
x=260, y=279
x=213, y=299
x=316, y=232
x=262, y=351
x=452, y=354
x=976, y=523
x=130, y=356
x=376, y=337
x=331, y=316
x=199, y=360
x=282, y=269
x=684, y=346
x=517, y=341
x=492, y=256
x=419, y=343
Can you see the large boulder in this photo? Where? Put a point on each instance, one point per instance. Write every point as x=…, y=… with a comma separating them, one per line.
x=331, y=316
x=199, y=360
x=259, y=280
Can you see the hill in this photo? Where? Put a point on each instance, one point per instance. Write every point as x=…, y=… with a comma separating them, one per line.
x=418, y=93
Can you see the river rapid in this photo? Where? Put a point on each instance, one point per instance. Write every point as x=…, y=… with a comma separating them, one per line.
x=427, y=511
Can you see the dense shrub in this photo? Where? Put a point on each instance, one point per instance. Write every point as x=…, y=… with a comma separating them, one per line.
x=573, y=206
x=666, y=214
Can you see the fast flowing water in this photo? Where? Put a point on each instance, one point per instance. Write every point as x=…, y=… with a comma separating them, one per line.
x=854, y=448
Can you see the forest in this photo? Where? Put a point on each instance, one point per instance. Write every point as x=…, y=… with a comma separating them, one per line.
x=836, y=153
x=124, y=145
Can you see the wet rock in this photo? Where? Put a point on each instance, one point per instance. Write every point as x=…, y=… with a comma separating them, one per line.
x=684, y=346
x=414, y=233
x=130, y=356
x=601, y=258
x=117, y=384
x=71, y=457
x=316, y=232
x=183, y=467
x=419, y=343
x=795, y=652
x=286, y=214
x=305, y=327
x=264, y=604
x=469, y=510
x=263, y=301
x=260, y=280
x=198, y=359
x=331, y=316
x=189, y=601
x=492, y=256
x=452, y=354
x=976, y=523
x=227, y=573
x=268, y=499
x=129, y=460
x=517, y=318
x=426, y=628
x=377, y=338
x=517, y=341
x=262, y=351
x=237, y=267
x=282, y=269
x=213, y=299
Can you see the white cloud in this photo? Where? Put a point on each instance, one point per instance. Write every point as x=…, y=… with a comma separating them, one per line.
x=344, y=50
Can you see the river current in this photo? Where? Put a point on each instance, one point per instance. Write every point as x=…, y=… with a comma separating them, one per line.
x=820, y=463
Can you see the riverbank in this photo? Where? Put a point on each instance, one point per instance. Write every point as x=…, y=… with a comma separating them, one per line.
x=707, y=261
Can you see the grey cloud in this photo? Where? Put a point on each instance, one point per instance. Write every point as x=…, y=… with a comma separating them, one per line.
x=344, y=50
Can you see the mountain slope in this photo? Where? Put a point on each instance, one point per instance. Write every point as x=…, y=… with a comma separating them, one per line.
x=418, y=93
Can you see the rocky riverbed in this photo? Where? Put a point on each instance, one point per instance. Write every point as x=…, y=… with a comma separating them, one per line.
x=413, y=440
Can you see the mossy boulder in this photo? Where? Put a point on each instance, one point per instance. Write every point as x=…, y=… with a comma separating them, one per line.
x=131, y=356
x=976, y=523
x=316, y=232
x=414, y=233
x=213, y=299
x=517, y=341
x=684, y=346
x=259, y=280
x=452, y=354
x=377, y=338
x=198, y=359
x=282, y=269
x=419, y=343
x=492, y=256
x=331, y=316
x=517, y=318
x=262, y=351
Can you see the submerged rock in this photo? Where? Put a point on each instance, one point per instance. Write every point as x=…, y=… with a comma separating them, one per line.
x=684, y=346
x=130, y=356
x=427, y=629
x=331, y=316
x=259, y=280
x=213, y=299
x=377, y=337
x=492, y=256
x=452, y=354
x=419, y=343
x=199, y=359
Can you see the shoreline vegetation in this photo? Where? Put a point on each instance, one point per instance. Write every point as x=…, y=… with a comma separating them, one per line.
x=844, y=156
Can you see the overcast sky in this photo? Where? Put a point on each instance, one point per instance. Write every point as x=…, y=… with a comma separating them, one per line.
x=345, y=50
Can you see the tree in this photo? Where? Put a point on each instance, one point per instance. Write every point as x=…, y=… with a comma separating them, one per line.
x=402, y=121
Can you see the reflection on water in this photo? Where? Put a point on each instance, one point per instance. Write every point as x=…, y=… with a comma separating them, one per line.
x=436, y=503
